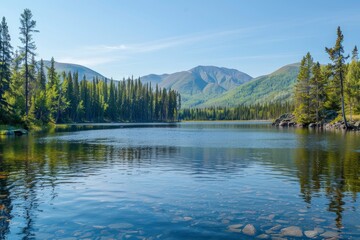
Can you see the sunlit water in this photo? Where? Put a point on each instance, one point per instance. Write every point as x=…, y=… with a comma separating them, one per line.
x=188, y=181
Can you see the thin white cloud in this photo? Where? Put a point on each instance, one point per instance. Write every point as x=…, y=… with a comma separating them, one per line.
x=92, y=56
x=171, y=42
x=101, y=54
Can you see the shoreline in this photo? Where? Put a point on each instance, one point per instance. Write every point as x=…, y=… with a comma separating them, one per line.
x=288, y=120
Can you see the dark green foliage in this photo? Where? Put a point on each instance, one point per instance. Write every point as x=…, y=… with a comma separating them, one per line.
x=317, y=92
x=27, y=28
x=242, y=112
x=352, y=85
x=5, y=68
x=302, y=91
x=335, y=86
x=336, y=55
x=127, y=101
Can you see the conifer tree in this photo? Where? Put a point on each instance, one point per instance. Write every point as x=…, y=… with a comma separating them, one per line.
x=317, y=92
x=352, y=83
x=39, y=110
x=302, y=91
x=52, y=91
x=336, y=55
x=5, y=67
x=41, y=78
x=27, y=29
x=15, y=96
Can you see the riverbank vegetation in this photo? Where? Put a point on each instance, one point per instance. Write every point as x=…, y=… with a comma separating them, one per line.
x=333, y=87
x=32, y=98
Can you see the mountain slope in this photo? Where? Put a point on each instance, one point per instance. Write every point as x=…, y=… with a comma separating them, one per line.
x=61, y=67
x=200, y=79
x=269, y=88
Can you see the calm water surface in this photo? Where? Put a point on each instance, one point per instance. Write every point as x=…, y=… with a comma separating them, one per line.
x=188, y=181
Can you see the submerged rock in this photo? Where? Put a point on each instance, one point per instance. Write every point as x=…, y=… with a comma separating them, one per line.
x=329, y=234
x=311, y=233
x=278, y=238
x=263, y=236
x=319, y=230
x=292, y=231
x=249, y=229
x=120, y=226
x=273, y=229
x=235, y=228
x=187, y=218
x=225, y=221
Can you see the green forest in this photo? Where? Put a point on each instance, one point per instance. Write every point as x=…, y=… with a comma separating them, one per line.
x=242, y=112
x=30, y=98
x=335, y=86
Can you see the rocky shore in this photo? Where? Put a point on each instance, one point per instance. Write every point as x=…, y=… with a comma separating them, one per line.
x=13, y=132
x=288, y=120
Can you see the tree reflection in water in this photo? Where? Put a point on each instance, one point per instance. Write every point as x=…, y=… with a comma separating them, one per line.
x=335, y=172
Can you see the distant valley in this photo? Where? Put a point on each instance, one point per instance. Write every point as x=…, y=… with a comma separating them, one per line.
x=205, y=86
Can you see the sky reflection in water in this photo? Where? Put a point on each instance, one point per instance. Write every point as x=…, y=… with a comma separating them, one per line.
x=189, y=181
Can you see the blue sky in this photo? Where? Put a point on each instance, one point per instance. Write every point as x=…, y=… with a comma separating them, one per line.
x=137, y=37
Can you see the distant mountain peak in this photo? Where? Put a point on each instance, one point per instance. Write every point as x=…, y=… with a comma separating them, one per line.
x=200, y=79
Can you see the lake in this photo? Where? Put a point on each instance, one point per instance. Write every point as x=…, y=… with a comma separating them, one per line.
x=201, y=180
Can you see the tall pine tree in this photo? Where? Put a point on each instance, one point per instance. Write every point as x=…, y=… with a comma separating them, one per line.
x=338, y=58
x=27, y=29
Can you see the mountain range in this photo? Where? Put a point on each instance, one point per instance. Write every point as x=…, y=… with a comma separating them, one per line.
x=205, y=86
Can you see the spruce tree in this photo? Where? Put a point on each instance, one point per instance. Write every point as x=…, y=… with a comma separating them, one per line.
x=336, y=55
x=317, y=92
x=39, y=110
x=41, y=78
x=5, y=66
x=52, y=91
x=302, y=91
x=352, y=83
x=15, y=96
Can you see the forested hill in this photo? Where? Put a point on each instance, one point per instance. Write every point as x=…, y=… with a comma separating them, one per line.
x=275, y=87
x=201, y=79
x=71, y=67
x=214, y=86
